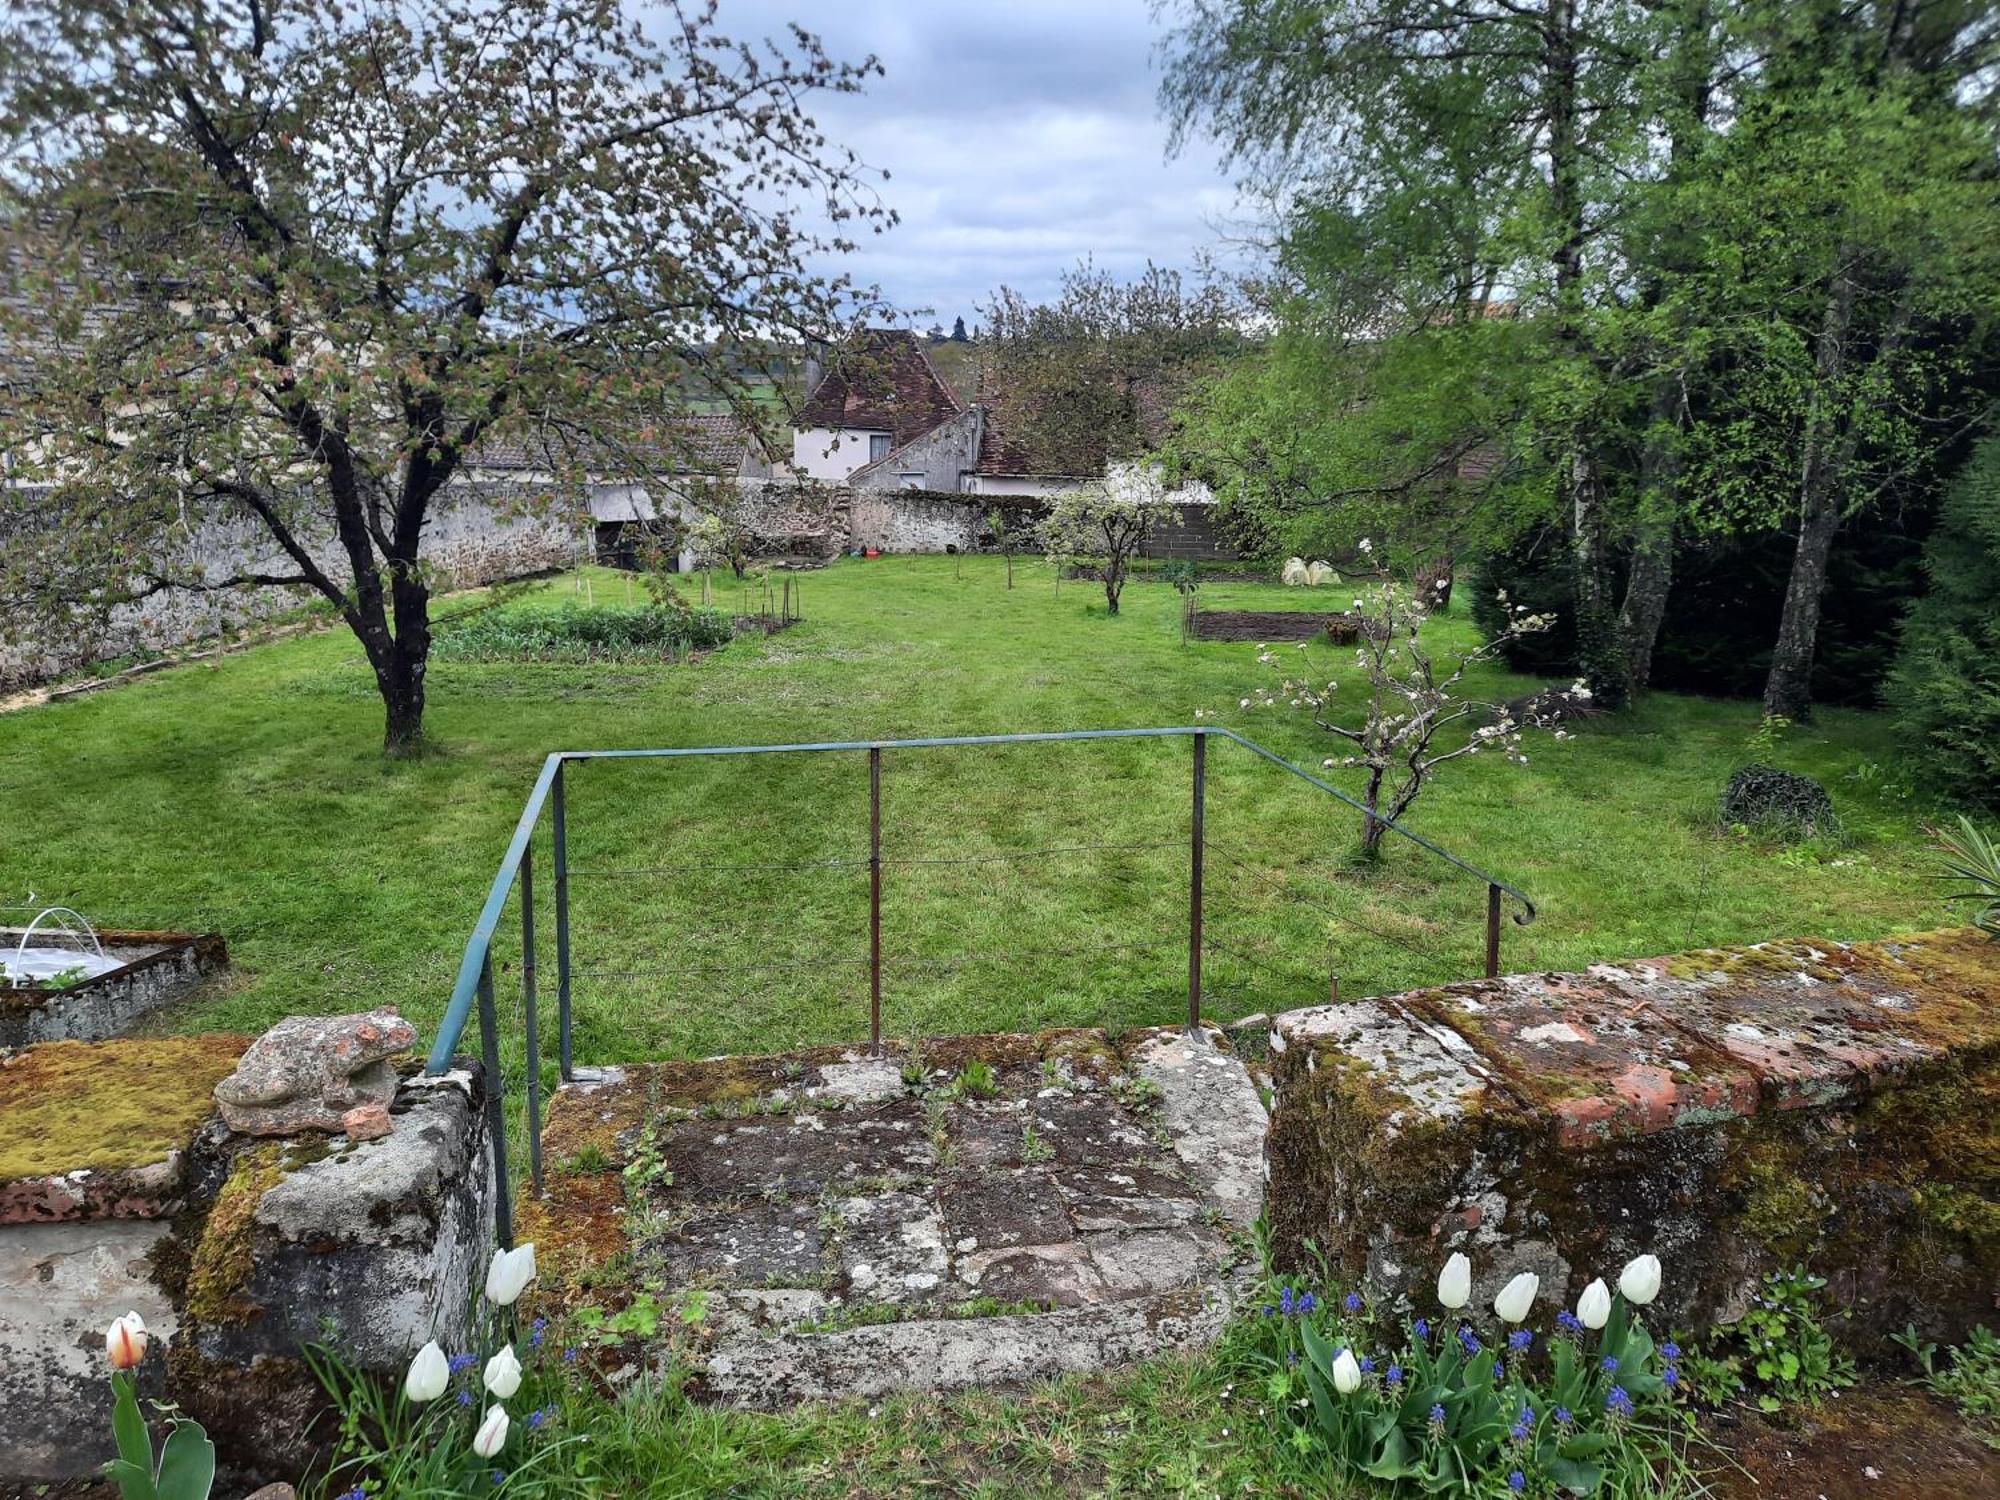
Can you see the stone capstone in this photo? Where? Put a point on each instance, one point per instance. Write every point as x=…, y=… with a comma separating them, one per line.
x=324, y=1073
x=1733, y=1111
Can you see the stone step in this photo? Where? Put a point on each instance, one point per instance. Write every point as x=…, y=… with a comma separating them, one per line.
x=973, y=1210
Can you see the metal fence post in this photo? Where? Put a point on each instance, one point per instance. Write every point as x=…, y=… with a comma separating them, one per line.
x=1492, y=931
x=496, y=1114
x=1195, y=852
x=564, y=1058
x=533, y=1031
x=875, y=897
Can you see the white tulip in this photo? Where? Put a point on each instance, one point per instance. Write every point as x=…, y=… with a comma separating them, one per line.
x=1455, y=1282
x=429, y=1374
x=1640, y=1280
x=492, y=1434
x=1593, y=1308
x=125, y=1341
x=503, y=1373
x=1516, y=1297
x=510, y=1274
x=1346, y=1373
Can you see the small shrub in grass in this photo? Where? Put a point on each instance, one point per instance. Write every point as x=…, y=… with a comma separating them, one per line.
x=579, y=633
x=1463, y=1404
x=1765, y=800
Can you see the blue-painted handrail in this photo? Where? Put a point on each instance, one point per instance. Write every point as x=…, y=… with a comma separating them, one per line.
x=465, y=991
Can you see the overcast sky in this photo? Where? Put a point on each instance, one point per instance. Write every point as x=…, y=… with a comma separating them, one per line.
x=1021, y=135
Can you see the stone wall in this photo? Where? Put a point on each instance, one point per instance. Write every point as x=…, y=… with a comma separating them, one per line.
x=929, y=521
x=479, y=531
x=1732, y=1111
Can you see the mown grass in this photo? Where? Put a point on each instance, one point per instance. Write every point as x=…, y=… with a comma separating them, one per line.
x=722, y=904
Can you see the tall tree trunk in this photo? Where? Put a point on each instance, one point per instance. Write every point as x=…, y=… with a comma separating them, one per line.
x=1582, y=481
x=1652, y=571
x=1788, y=688
x=1828, y=444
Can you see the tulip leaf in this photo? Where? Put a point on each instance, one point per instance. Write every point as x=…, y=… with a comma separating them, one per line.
x=187, y=1464
x=133, y=1469
x=1577, y=1478
x=1397, y=1460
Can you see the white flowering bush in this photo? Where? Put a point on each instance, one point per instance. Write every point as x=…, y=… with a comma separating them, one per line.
x=1103, y=525
x=1457, y=1403
x=1412, y=716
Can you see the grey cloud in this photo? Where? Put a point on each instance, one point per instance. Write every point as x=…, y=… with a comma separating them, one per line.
x=1021, y=137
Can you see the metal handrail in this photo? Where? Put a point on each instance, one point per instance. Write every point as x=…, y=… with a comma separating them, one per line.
x=473, y=988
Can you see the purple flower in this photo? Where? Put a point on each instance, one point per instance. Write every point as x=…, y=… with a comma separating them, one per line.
x=1499, y=1370
x=1516, y=1480
x=1437, y=1412
x=1307, y=1302
x=1671, y=1350
x=1285, y=1302
x=1617, y=1402
x=1393, y=1375
x=1567, y=1322
x=540, y=1415
x=1564, y=1416
x=1367, y=1364
x=535, y=1332
x=465, y=1398
x=359, y=1492
x=1671, y=1375
x=499, y=1476
x=1422, y=1328
x=1469, y=1339
x=1268, y=1309
x=1520, y=1338
x=462, y=1362
x=570, y=1354
x=1609, y=1364
x=1352, y=1302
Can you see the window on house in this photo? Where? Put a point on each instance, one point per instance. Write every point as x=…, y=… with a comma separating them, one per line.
x=878, y=446
x=911, y=481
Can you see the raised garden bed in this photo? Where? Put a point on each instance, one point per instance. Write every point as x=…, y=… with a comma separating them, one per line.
x=153, y=968
x=1339, y=627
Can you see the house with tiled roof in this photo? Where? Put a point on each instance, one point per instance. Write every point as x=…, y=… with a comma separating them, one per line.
x=879, y=394
x=884, y=417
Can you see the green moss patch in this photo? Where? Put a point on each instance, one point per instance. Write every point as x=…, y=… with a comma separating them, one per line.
x=226, y=1255
x=107, y=1105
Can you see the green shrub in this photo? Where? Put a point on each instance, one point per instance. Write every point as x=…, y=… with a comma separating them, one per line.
x=577, y=633
x=1767, y=800
x=1968, y=1377
x=1779, y=1351
x=1945, y=686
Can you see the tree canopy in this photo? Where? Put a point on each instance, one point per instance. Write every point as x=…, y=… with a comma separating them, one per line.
x=298, y=264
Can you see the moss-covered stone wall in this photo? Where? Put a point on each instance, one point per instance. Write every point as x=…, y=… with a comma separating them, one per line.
x=1732, y=1111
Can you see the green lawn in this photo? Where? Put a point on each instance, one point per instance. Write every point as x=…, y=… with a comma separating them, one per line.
x=248, y=795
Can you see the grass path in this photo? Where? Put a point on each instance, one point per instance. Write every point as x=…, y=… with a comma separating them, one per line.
x=247, y=794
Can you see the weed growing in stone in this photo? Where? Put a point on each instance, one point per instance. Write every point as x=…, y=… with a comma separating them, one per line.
x=977, y=1081
x=1968, y=1376
x=1034, y=1145
x=1779, y=1351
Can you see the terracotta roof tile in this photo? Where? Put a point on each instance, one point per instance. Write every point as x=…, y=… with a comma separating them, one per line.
x=885, y=382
